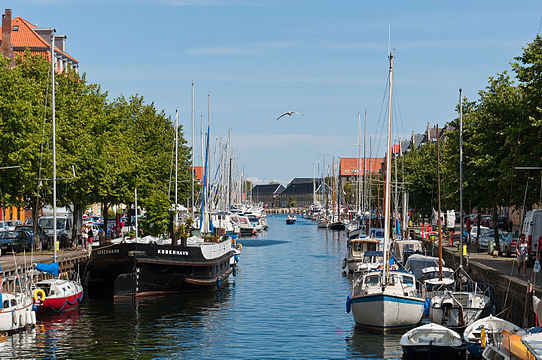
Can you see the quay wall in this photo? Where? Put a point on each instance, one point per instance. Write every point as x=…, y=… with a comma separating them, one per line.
x=510, y=295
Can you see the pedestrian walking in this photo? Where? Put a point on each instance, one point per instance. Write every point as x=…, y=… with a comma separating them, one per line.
x=84, y=237
x=522, y=252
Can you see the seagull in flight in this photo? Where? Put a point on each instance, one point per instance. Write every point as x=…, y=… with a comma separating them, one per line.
x=289, y=113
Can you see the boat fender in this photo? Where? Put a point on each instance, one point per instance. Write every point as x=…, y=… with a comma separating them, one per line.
x=348, y=303
x=218, y=283
x=14, y=319
x=426, y=305
x=22, y=319
x=236, y=258
x=29, y=318
x=34, y=307
x=344, y=263
x=33, y=317
x=234, y=271
x=39, y=295
x=483, y=338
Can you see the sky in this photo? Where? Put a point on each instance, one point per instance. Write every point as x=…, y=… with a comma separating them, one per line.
x=260, y=58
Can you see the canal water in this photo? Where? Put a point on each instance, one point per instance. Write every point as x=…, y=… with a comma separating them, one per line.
x=286, y=302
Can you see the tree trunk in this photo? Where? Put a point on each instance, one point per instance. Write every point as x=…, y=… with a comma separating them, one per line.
x=105, y=210
x=35, y=210
x=496, y=230
x=77, y=217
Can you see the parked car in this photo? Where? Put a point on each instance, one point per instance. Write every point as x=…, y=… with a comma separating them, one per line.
x=3, y=226
x=12, y=224
x=29, y=221
x=44, y=238
x=487, y=235
x=15, y=240
x=510, y=243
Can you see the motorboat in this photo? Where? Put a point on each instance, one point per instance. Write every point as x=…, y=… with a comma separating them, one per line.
x=431, y=277
x=372, y=260
x=384, y=303
x=432, y=341
x=356, y=249
x=337, y=225
x=513, y=346
x=417, y=262
x=457, y=309
x=290, y=219
x=492, y=327
x=16, y=313
x=323, y=223
x=404, y=248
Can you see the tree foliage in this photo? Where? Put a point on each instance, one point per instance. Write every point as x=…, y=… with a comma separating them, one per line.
x=111, y=145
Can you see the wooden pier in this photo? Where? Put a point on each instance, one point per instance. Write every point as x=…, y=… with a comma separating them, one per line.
x=12, y=266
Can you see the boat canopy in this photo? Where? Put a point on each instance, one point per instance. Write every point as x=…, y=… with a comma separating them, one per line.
x=47, y=268
x=416, y=263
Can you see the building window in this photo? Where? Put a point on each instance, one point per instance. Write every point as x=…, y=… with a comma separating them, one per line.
x=15, y=27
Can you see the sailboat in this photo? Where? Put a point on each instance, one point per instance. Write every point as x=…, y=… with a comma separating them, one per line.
x=386, y=299
x=56, y=294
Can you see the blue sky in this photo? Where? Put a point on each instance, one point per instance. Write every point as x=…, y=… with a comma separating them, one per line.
x=260, y=58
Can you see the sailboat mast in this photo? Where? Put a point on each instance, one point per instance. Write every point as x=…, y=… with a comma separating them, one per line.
x=192, y=171
x=358, y=192
x=333, y=189
x=176, y=162
x=461, y=178
x=439, y=222
x=364, y=206
x=388, y=179
x=396, y=199
x=53, y=61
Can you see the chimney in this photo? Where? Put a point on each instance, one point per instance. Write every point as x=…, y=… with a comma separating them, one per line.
x=6, y=49
x=428, y=133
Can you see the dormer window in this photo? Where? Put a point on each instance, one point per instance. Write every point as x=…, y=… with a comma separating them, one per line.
x=15, y=27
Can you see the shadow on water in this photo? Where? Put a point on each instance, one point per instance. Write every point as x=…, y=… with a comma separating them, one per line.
x=374, y=345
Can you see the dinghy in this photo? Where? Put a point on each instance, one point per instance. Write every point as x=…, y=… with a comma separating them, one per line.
x=432, y=341
x=492, y=327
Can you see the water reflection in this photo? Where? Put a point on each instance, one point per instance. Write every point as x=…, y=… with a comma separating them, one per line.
x=374, y=345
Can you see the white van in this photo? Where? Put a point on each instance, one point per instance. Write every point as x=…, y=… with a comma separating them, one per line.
x=532, y=228
x=64, y=224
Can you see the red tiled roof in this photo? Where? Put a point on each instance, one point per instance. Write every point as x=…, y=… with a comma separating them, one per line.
x=198, y=173
x=349, y=166
x=27, y=37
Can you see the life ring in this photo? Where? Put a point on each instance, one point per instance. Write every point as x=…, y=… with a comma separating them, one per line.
x=39, y=295
x=239, y=246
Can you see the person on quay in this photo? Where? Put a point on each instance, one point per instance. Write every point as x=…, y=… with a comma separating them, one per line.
x=522, y=252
